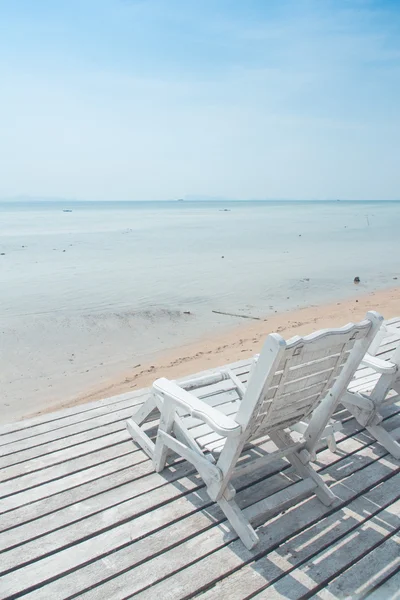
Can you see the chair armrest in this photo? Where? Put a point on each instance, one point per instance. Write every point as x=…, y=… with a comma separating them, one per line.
x=219, y=422
x=377, y=364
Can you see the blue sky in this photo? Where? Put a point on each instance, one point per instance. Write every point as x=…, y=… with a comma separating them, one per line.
x=157, y=99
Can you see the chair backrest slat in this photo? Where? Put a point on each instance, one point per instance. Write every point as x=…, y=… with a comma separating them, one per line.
x=291, y=378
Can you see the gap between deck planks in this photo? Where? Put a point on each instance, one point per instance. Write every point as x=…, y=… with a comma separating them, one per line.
x=184, y=567
x=96, y=477
x=150, y=518
x=70, y=428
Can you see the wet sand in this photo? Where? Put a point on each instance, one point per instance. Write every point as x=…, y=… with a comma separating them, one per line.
x=239, y=343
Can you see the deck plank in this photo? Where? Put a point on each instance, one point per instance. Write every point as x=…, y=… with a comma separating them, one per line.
x=278, y=565
x=389, y=588
x=83, y=514
x=178, y=579
x=203, y=542
x=365, y=574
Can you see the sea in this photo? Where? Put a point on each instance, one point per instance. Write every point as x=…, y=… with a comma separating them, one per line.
x=96, y=287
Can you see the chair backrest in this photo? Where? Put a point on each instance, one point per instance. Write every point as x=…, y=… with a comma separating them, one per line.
x=291, y=378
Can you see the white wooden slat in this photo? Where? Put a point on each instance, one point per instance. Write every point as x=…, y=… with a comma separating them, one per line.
x=70, y=480
x=217, y=401
x=367, y=371
x=367, y=573
x=389, y=589
x=151, y=519
x=75, y=478
x=294, y=411
x=119, y=536
x=61, y=493
x=393, y=321
x=306, y=369
x=55, y=419
x=259, y=577
x=103, y=504
x=76, y=505
x=60, y=427
x=62, y=444
x=181, y=580
x=210, y=440
x=63, y=455
x=70, y=430
x=74, y=488
x=364, y=382
x=290, y=387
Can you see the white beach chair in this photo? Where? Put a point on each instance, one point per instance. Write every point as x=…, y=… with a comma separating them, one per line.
x=290, y=381
x=365, y=400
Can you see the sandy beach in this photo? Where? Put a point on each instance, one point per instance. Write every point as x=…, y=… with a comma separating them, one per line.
x=237, y=343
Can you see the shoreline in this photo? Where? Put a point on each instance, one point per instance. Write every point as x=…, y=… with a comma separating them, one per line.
x=236, y=343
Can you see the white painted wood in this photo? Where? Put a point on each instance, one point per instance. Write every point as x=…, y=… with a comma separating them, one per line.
x=184, y=582
x=76, y=581
x=178, y=397
x=389, y=589
x=367, y=573
x=289, y=380
x=260, y=575
x=137, y=434
x=29, y=436
x=366, y=402
x=380, y=366
x=61, y=456
x=98, y=423
x=386, y=439
x=322, y=567
x=167, y=547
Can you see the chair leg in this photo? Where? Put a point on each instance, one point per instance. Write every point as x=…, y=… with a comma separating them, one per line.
x=304, y=469
x=322, y=491
x=330, y=439
x=166, y=424
x=386, y=439
x=133, y=426
x=140, y=437
x=144, y=411
x=239, y=522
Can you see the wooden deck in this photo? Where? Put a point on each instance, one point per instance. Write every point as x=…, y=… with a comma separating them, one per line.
x=83, y=515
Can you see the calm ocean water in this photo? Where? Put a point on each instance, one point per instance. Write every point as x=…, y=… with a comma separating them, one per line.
x=113, y=275
x=112, y=257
